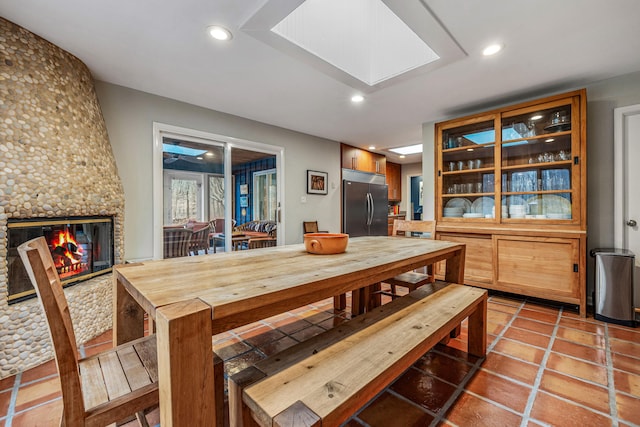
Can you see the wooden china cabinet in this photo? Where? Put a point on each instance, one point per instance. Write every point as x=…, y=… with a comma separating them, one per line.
x=511, y=184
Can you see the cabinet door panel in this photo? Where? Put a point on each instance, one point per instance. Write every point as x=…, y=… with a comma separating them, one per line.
x=540, y=266
x=478, y=265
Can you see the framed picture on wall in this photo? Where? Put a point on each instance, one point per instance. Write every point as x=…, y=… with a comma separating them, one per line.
x=317, y=182
x=244, y=188
x=244, y=201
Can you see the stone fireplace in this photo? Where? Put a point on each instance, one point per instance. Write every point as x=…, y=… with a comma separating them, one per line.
x=56, y=164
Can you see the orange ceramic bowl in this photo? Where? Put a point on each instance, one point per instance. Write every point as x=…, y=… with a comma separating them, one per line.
x=325, y=243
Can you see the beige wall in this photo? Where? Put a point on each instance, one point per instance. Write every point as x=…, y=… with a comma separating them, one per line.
x=129, y=115
x=602, y=98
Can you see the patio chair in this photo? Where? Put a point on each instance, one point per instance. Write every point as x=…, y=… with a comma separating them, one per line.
x=176, y=241
x=199, y=239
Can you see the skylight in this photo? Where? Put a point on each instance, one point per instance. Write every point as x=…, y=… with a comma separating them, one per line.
x=363, y=38
x=180, y=150
x=411, y=149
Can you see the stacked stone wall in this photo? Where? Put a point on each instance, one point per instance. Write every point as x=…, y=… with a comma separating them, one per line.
x=55, y=161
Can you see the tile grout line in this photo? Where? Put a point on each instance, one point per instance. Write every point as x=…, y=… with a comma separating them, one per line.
x=14, y=397
x=543, y=364
x=475, y=368
x=611, y=387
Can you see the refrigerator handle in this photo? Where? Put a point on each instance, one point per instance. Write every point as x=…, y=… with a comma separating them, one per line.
x=368, y=208
x=373, y=208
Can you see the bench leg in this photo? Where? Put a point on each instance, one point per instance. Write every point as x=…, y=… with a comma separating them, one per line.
x=297, y=414
x=218, y=389
x=340, y=302
x=239, y=413
x=478, y=329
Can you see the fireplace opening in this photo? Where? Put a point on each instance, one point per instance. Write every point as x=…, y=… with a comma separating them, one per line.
x=81, y=248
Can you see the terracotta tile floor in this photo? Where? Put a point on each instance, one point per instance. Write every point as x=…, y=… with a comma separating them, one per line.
x=545, y=366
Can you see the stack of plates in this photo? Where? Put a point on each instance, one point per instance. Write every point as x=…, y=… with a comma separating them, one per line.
x=483, y=205
x=517, y=211
x=558, y=216
x=453, y=212
x=473, y=215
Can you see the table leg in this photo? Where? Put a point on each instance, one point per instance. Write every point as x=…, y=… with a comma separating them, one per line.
x=128, y=316
x=375, y=298
x=340, y=302
x=185, y=365
x=455, y=267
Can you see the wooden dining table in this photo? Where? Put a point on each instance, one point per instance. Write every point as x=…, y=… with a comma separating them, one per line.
x=192, y=298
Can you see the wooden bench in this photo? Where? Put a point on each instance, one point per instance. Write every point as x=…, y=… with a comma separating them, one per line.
x=326, y=379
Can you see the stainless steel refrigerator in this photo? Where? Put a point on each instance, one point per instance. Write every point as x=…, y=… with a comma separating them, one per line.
x=364, y=208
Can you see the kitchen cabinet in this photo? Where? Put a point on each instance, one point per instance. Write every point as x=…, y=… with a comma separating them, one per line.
x=362, y=160
x=394, y=181
x=512, y=183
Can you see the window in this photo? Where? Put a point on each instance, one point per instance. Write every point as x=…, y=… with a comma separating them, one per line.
x=265, y=195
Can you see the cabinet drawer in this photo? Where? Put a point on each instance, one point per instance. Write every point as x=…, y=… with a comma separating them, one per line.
x=478, y=266
x=544, y=267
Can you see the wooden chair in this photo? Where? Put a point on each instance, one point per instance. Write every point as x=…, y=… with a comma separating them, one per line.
x=176, y=241
x=103, y=388
x=311, y=227
x=412, y=279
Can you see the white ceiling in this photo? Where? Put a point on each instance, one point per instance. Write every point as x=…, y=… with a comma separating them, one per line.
x=162, y=47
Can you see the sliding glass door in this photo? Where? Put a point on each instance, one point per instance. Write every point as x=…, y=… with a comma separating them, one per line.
x=209, y=178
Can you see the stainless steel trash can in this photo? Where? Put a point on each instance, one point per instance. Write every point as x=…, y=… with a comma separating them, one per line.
x=614, y=286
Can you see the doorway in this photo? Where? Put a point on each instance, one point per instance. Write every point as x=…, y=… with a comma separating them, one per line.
x=415, y=199
x=626, y=227
x=204, y=177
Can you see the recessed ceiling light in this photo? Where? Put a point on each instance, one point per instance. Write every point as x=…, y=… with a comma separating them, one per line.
x=372, y=147
x=219, y=33
x=469, y=149
x=492, y=49
x=549, y=140
x=209, y=154
x=357, y=98
x=411, y=149
x=402, y=156
x=536, y=117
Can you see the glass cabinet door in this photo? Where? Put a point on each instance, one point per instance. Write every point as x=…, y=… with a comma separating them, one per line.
x=537, y=162
x=467, y=166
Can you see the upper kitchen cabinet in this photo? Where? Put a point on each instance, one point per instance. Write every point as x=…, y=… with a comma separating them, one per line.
x=394, y=181
x=513, y=182
x=362, y=160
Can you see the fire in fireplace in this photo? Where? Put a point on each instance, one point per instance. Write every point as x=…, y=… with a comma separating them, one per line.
x=69, y=257
x=81, y=248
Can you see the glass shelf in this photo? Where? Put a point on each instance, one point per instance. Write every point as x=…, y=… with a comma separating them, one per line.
x=534, y=148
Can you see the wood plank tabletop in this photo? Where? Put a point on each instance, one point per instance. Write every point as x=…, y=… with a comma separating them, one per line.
x=241, y=281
